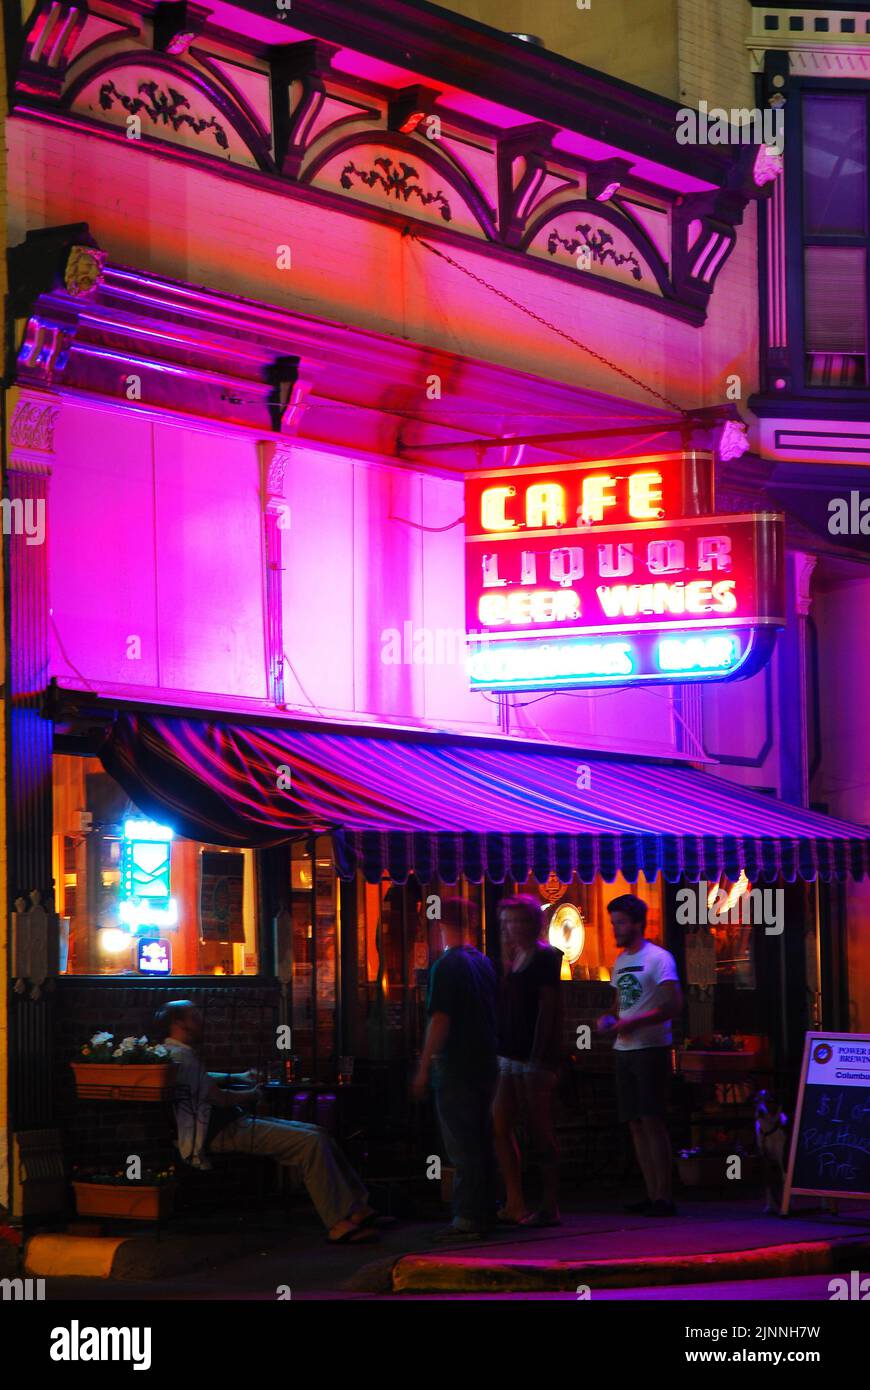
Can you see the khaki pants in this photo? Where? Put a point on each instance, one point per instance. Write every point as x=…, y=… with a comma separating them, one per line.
x=331, y=1183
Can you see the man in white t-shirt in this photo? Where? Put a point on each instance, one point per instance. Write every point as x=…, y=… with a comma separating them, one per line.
x=648, y=997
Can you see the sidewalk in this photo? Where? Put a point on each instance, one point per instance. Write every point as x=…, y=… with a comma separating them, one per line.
x=709, y=1241
x=597, y=1247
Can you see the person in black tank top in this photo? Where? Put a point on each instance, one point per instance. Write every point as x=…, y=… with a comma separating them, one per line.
x=529, y=1046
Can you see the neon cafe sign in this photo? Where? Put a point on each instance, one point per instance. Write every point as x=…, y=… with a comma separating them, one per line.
x=613, y=573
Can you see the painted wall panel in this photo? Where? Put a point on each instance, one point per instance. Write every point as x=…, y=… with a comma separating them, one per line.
x=101, y=538
x=209, y=563
x=318, y=583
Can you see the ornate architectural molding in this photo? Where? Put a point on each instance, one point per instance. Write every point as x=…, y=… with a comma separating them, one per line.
x=210, y=356
x=32, y=427
x=299, y=115
x=804, y=564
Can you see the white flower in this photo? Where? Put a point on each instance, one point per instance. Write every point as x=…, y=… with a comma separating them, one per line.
x=99, y=1038
x=119, y=1052
x=128, y=1044
x=160, y=1051
x=142, y=1042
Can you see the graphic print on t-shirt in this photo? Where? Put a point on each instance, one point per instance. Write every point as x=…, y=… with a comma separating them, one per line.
x=629, y=988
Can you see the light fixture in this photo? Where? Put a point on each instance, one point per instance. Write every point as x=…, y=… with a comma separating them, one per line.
x=113, y=941
x=176, y=25
x=605, y=179
x=567, y=933
x=736, y=891
x=733, y=440
x=138, y=912
x=147, y=830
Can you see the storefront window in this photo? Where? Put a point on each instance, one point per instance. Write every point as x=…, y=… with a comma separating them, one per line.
x=398, y=938
x=578, y=925
x=314, y=914
x=134, y=898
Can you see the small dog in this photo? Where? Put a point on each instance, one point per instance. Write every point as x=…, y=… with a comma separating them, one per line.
x=772, y=1141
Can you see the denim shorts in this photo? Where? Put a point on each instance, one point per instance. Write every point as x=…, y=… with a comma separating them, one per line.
x=542, y=1076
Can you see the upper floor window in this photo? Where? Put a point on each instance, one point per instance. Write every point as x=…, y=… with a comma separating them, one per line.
x=835, y=239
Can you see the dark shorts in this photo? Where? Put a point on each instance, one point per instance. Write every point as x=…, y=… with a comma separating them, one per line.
x=643, y=1082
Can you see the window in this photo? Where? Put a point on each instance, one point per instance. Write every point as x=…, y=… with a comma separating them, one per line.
x=588, y=946
x=314, y=907
x=136, y=899
x=835, y=226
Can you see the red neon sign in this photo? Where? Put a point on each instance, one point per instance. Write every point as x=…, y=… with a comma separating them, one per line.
x=698, y=572
x=657, y=487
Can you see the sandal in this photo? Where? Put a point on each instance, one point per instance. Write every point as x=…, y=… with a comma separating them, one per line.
x=540, y=1219
x=374, y=1218
x=355, y=1235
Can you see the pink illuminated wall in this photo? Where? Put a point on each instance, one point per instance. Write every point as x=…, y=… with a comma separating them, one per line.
x=157, y=586
x=154, y=554
x=197, y=226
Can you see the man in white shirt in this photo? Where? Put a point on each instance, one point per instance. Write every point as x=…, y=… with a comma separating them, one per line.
x=648, y=997
x=212, y=1120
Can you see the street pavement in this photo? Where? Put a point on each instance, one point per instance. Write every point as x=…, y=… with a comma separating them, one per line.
x=301, y=1264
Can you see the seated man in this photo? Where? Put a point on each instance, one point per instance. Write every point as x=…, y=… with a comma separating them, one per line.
x=210, y=1119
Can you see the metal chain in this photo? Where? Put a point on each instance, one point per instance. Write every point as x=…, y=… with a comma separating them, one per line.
x=524, y=309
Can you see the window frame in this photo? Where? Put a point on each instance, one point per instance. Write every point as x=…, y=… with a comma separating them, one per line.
x=798, y=239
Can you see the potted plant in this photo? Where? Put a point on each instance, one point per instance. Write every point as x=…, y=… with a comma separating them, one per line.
x=135, y=1069
x=111, y=1193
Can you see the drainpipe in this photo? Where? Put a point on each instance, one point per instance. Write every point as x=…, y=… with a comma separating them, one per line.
x=793, y=669
x=792, y=685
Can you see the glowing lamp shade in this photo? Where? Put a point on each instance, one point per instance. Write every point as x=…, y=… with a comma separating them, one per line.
x=732, y=894
x=567, y=932
x=113, y=941
x=147, y=830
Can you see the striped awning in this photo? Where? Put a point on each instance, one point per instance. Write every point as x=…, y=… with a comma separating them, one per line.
x=442, y=806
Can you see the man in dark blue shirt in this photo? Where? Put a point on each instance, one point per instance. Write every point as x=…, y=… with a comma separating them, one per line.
x=459, y=1054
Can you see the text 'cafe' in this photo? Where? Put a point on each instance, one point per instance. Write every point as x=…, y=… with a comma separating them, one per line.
x=616, y=573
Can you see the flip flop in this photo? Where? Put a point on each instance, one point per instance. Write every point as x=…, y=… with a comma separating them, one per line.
x=504, y=1220
x=375, y=1218
x=540, y=1220
x=357, y=1235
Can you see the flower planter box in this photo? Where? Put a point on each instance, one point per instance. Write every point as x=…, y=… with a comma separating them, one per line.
x=125, y=1080
x=128, y=1201
x=716, y=1065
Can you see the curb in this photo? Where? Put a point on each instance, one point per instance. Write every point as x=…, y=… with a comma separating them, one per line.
x=134, y=1257
x=443, y=1273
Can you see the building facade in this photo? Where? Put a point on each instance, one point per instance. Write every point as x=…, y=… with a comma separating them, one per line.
x=280, y=285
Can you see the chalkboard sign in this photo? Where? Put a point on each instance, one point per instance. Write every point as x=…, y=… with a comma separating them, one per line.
x=830, y=1142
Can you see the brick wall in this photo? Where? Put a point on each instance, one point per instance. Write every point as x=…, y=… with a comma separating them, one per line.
x=713, y=58
x=240, y=1022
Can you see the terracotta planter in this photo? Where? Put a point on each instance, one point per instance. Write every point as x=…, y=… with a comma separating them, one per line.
x=128, y=1201
x=125, y=1080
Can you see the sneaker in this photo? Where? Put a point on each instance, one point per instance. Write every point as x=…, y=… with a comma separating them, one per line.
x=662, y=1208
